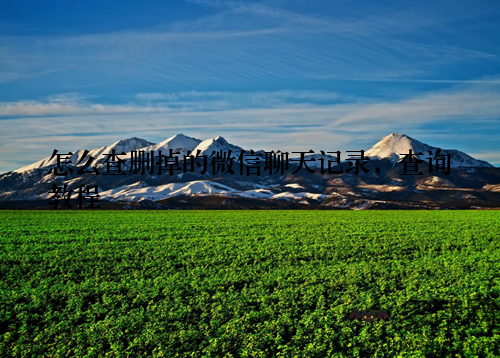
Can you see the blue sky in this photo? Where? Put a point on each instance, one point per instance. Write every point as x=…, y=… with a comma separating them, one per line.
x=289, y=75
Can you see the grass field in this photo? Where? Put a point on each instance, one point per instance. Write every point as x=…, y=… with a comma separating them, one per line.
x=249, y=283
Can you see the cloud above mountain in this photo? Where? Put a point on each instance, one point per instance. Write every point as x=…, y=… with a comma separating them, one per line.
x=266, y=73
x=292, y=119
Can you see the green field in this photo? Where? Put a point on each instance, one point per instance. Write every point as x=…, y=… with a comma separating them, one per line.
x=249, y=283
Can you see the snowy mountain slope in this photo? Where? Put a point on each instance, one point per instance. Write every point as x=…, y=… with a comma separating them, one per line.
x=124, y=145
x=302, y=195
x=207, y=147
x=390, y=147
x=32, y=182
x=396, y=145
x=218, y=144
x=141, y=190
x=178, y=143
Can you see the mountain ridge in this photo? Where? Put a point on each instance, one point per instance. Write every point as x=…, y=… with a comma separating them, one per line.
x=395, y=145
x=389, y=147
x=472, y=181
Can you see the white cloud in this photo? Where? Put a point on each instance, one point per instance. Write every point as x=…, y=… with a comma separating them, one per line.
x=59, y=107
x=472, y=102
x=463, y=102
x=251, y=119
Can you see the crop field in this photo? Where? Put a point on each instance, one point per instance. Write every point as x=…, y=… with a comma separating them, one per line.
x=249, y=283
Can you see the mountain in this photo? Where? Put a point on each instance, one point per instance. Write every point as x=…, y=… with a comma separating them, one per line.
x=217, y=144
x=178, y=143
x=124, y=145
x=396, y=145
x=141, y=190
x=471, y=183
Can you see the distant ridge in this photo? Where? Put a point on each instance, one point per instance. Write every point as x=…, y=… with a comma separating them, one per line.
x=472, y=183
x=395, y=145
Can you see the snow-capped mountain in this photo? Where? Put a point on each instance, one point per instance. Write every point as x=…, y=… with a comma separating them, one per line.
x=124, y=145
x=469, y=184
x=179, y=143
x=141, y=190
x=395, y=146
x=207, y=147
x=218, y=144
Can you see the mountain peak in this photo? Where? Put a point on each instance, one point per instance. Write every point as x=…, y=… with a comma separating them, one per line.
x=396, y=137
x=131, y=142
x=216, y=144
x=178, y=142
x=131, y=139
x=124, y=145
x=220, y=140
x=396, y=145
x=180, y=136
